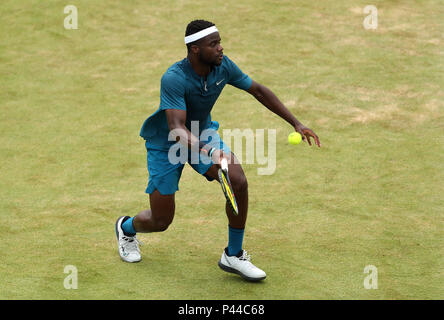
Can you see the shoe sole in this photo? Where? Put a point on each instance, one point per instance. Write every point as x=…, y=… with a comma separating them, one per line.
x=231, y=270
x=117, y=236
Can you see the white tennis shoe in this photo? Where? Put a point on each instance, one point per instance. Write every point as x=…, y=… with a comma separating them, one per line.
x=241, y=265
x=128, y=246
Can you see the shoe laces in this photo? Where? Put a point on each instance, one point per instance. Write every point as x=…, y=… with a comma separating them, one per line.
x=245, y=256
x=131, y=242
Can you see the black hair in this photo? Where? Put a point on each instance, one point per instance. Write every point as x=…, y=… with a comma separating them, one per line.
x=196, y=26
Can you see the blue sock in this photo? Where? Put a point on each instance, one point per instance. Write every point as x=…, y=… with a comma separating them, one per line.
x=235, y=239
x=128, y=228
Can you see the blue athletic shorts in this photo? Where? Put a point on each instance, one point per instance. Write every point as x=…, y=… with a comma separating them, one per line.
x=165, y=167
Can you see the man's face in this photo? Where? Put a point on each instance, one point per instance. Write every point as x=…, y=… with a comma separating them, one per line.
x=210, y=50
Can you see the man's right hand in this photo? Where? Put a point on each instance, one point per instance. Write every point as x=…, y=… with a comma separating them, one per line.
x=218, y=155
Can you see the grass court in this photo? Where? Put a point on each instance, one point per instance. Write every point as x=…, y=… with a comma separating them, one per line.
x=72, y=103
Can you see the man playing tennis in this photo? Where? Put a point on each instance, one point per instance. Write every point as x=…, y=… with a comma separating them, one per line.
x=189, y=89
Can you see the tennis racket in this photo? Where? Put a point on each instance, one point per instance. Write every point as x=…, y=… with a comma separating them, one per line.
x=226, y=185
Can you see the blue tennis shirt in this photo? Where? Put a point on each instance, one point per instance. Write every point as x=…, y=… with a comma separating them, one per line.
x=182, y=88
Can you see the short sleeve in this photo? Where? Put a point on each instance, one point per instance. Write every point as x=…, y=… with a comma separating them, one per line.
x=236, y=77
x=172, y=91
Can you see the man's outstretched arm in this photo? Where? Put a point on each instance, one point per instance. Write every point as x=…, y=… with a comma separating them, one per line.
x=271, y=101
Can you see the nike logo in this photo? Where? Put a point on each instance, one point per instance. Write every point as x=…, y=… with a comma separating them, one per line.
x=218, y=83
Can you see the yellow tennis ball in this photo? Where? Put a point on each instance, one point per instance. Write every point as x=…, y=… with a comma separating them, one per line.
x=294, y=138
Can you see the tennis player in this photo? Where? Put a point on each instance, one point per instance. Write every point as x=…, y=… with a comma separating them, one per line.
x=189, y=90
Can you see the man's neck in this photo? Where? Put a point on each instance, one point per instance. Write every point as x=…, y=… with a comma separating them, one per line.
x=201, y=69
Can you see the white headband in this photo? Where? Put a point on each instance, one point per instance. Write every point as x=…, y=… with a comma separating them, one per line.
x=199, y=35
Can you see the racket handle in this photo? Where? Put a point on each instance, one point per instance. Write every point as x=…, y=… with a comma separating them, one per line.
x=224, y=164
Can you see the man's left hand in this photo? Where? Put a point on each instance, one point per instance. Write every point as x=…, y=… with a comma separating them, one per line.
x=306, y=134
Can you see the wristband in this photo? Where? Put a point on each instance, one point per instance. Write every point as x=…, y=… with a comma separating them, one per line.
x=211, y=152
x=202, y=146
x=207, y=148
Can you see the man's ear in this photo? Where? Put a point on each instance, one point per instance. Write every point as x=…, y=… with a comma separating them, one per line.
x=195, y=49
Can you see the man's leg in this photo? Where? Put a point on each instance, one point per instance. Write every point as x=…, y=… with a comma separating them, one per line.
x=163, y=183
x=234, y=259
x=155, y=219
x=158, y=217
x=236, y=223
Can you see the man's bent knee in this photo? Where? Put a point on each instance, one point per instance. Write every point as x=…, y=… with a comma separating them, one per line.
x=162, y=224
x=162, y=208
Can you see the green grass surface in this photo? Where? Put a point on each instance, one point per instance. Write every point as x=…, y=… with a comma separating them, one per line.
x=72, y=103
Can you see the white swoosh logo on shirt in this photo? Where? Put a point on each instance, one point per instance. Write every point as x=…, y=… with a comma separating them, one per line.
x=218, y=83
